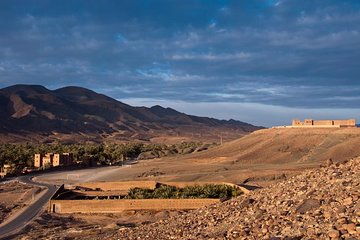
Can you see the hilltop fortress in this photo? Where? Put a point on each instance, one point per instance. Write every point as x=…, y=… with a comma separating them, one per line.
x=310, y=123
x=324, y=123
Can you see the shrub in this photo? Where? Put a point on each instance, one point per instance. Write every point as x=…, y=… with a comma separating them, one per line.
x=139, y=193
x=165, y=191
x=196, y=191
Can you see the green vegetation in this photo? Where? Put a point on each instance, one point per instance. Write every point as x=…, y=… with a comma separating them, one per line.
x=196, y=191
x=23, y=154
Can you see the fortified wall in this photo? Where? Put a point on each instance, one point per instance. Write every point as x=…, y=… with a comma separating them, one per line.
x=311, y=123
x=324, y=123
x=115, y=206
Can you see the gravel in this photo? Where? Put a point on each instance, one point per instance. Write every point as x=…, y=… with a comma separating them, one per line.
x=322, y=203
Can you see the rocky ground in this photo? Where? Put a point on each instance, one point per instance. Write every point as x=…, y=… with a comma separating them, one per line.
x=87, y=226
x=322, y=203
x=318, y=204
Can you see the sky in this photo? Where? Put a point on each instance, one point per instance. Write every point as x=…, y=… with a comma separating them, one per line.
x=260, y=61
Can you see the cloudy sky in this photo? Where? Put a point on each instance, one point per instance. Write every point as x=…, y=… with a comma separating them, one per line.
x=260, y=61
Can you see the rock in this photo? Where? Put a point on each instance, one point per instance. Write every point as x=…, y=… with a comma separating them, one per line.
x=350, y=227
x=329, y=162
x=333, y=234
x=357, y=212
x=347, y=201
x=111, y=226
x=327, y=215
x=246, y=202
x=307, y=205
x=341, y=221
x=340, y=209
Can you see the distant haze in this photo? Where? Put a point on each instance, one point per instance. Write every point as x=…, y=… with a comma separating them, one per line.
x=258, y=114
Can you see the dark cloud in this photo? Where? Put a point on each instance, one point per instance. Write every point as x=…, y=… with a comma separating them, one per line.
x=303, y=54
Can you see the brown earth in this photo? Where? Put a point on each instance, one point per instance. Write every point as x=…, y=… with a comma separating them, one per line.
x=14, y=196
x=258, y=158
x=84, y=226
x=318, y=204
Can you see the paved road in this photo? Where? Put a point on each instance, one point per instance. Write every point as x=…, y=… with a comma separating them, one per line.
x=19, y=222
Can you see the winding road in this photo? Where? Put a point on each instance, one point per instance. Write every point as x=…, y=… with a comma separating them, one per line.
x=11, y=227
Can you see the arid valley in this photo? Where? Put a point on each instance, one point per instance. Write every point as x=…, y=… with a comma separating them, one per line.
x=179, y=119
x=261, y=161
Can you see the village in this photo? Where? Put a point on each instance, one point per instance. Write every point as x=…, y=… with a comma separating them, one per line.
x=48, y=161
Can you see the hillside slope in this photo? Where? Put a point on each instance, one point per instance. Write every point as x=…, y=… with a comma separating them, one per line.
x=318, y=204
x=32, y=112
x=322, y=203
x=258, y=158
x=281, y=146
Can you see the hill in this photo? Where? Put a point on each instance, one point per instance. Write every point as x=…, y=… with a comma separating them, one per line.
x=258, y=158
x=72, y=114
x=282, y=146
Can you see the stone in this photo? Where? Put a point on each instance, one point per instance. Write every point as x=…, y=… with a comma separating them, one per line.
x=347, y=201
x=307, y=205
x=327, y=215
x=350, y=227
x=340, y=209
x=246, y=202
x=341, y=221
x=329, y=162
x=333, y=234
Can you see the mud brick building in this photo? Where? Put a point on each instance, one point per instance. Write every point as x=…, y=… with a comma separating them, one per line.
x=53, y=160
x=324, y=123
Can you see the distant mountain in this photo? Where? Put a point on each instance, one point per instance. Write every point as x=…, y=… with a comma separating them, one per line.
x=70, y=114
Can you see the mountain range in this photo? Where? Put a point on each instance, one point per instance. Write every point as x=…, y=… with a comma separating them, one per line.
x=75, y=114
